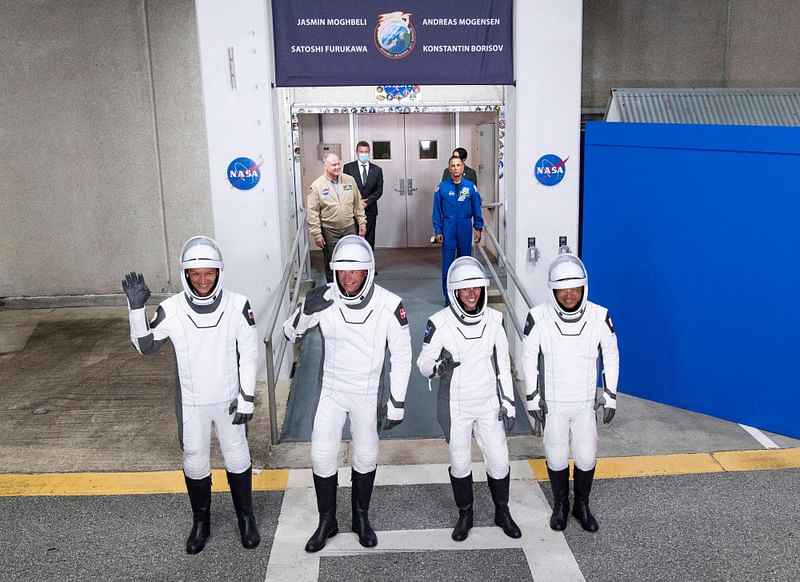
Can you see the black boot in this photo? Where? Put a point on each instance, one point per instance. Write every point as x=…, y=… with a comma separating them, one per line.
x=362, y=492
x=241, y=485
x=559, y=481
x=502, y=517
x=325, y=488
x=582, y=488
x=200, y=499
x=462, y=492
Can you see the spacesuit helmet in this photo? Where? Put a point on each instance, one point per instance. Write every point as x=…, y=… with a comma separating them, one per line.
x=464, y=273
x=353, y=253
x=201, y=252
x=568, y=271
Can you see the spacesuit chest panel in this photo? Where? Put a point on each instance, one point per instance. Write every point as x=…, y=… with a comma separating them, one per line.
x=205, y=348
x=473, y=346
x=355, y=345
x=570, y=361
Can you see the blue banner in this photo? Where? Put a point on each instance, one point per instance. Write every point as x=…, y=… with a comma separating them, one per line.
x=391, y=42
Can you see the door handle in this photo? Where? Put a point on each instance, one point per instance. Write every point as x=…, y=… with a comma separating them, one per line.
x=411, y=188
x=402, y=188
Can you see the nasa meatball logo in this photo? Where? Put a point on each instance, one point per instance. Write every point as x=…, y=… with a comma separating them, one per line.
x=244, y=173
x=550, y=169
x=395, y=35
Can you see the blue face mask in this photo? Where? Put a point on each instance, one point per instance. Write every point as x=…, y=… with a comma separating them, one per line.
x=363, y=158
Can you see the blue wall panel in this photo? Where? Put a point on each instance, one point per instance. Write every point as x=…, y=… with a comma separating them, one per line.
x=691, y=236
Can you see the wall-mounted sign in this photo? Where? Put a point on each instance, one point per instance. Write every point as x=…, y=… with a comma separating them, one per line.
x=244, y=173
x=550, y=169
x=388, y=42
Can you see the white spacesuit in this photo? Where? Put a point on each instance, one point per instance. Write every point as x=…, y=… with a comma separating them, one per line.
x=216, y=348
x=561, y=352
x=466, y=347
x=356, y=328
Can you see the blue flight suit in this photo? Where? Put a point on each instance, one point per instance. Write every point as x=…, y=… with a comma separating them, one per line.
x=455, y=208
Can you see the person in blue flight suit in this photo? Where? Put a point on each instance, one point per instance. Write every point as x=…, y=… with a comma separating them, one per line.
x=456, y=211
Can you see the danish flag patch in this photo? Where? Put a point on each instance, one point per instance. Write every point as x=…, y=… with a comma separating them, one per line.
x=400, y=314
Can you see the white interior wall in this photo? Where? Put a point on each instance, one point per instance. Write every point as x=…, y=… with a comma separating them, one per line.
x=543, y=118
x=240, y=122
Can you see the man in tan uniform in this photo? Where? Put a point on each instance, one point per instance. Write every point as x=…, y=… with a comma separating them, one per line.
x=334, y=207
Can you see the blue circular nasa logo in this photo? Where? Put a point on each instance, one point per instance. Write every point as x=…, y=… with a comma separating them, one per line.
x=395, y=35
x=244, y=173
x=550, y=169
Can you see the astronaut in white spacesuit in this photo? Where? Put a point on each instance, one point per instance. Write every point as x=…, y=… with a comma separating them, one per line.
x=565, y=341
x=357, y=320
x=465, y=346
x=214, y=335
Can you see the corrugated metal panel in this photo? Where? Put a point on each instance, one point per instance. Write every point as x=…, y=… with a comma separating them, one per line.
x=774, y=107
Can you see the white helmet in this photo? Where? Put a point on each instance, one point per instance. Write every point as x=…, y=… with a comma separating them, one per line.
x=201, y=252
x=464, y=273
x=567, y=271
x=353, y=253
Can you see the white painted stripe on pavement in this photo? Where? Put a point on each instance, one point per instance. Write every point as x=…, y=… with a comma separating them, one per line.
x=765, y=441
x=547, y=552
x=409, y=474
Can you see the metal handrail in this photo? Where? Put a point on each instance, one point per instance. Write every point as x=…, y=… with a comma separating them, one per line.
x=512, y=273
x=293, y=264
x=537, y=427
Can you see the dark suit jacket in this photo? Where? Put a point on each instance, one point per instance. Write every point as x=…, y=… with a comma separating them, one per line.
x=469, y=174
x=372, y=190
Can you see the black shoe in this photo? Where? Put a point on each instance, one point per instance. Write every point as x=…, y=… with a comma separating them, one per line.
x=362, y=492
x=580, y=511
x=559, y=481
x=462, y=492
x=502, y=516
x=325, y=488
x=200, y=499
x=241, y=485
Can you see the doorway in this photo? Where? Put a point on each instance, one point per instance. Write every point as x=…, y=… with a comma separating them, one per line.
x=412, y=150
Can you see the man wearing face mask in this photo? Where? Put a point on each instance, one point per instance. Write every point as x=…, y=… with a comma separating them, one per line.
x=369, y=178
x=465, y=346
x=358, y=320
x=213, y=331
x=564, y=342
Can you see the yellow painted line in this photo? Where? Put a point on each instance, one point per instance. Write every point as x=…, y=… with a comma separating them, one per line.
x=133, y=483
x=759, y=460
x=685, y=464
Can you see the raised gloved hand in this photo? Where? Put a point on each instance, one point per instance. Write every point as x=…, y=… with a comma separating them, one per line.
x=394, y=416
x=315, y=300
x=540, y=416
x=445, y=364
x=135, y=290
x=507, y=416
x=240, y=417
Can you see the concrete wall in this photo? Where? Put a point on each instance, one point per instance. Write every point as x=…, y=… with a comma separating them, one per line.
x=103, y=164
x=688, y=43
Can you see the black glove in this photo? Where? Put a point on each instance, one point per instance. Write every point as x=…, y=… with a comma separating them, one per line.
x=445, y=365
x=238, y=417
x=389, y=424
x=508, y=421
x=608, y=415
x=540, y=416
x=315, y=300
x=136, y=290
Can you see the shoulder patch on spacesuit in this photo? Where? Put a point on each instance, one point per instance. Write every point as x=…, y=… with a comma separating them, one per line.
x=529, y=323
x=400, y=314
x=158, y=317
x=248, y=314
x=430, y=328
x=609, y=323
